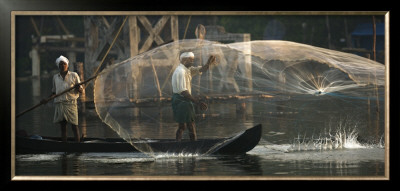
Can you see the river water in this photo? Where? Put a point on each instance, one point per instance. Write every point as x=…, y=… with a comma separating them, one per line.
x=293, y=145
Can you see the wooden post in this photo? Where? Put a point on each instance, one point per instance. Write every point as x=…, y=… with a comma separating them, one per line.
x=174, y=28
x=72, y=57
x=82, y=98
x=377, y=108
x=134, y=35
x=374, y=36
x=174, y=37
x=134, y=50
x=83, y=126
x=79, y=69
x=369, y=112
x=91, y=45
x=134, y=38
x=200, y=33
x=36, y=87
x=369, y=125
x=329, y=32
x=348, y=36
x=247, y=61
x=210, y=81
x=35, y=61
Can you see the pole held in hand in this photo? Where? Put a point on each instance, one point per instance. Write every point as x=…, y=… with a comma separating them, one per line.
x=54, y=96
x=88, y=80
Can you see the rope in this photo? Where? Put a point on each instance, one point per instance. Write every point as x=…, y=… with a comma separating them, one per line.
x=187, y=26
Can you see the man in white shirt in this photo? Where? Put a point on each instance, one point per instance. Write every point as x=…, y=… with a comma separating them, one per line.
x=66, y=109
x=182, y=99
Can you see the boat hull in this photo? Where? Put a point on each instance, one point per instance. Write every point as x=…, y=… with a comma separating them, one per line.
x=238, y=144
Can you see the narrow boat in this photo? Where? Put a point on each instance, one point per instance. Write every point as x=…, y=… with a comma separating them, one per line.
x=238, y=144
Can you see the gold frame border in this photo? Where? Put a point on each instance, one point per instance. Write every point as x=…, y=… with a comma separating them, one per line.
x=198, y=178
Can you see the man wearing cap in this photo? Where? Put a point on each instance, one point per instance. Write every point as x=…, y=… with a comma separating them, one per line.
x=66, y=109
x=182, y=99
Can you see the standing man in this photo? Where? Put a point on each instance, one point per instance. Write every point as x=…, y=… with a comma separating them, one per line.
x=182, y=99
x=66, y=109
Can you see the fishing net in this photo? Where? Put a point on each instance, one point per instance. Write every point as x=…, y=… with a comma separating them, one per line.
x=250, y=83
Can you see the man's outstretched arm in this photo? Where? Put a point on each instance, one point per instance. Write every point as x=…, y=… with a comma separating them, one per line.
x=210, y=61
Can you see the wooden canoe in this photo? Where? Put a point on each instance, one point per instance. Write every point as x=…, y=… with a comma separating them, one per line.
x=238, y=144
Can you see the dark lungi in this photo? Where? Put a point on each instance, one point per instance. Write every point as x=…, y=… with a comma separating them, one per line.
x=183, y=109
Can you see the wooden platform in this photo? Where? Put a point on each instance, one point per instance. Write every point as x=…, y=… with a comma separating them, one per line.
x=161, y=101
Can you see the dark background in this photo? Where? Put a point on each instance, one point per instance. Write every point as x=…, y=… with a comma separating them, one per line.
x=305, y=29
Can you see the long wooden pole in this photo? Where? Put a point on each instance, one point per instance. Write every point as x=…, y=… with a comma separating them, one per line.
x=374, y=36
x=187, y=26
x=54, y=96
x=329, y=32
x=35, y=26
x=109, y=48
x=84, y=82
x=376, y=83
x=156, y=77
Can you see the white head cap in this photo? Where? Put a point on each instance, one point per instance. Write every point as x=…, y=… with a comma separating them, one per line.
x=186, y=55
x=62, y=58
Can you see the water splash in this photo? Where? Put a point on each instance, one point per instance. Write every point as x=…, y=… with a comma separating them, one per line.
x=342, y=137
x=175, y=155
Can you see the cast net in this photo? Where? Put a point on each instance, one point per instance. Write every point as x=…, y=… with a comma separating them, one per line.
x=250, y=83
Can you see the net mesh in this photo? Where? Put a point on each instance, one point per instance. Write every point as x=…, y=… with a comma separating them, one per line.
x=258, y=78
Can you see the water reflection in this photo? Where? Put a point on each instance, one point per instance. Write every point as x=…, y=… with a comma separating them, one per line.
x=185, y=167
x=244, y=164
x=291, y=117
x=137, y=165
x=36, y=87
x=72, y=165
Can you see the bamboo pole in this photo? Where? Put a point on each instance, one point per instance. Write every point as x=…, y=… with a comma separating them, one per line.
x=377, y=108
x=63, y=27
x=109, y=48
x=96, y=73
x=348, y=36
x=187, y=26
x=369, y=125
x=174, y=37
x=376, y=83
x=200, y=33
x=374, y=36
x=156, y=77
x=79, y=70
x=35, y=26
x=54, y=96
x=329, y=32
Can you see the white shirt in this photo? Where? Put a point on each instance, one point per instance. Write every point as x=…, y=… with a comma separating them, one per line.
x=60, y=84
x=182, y=77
